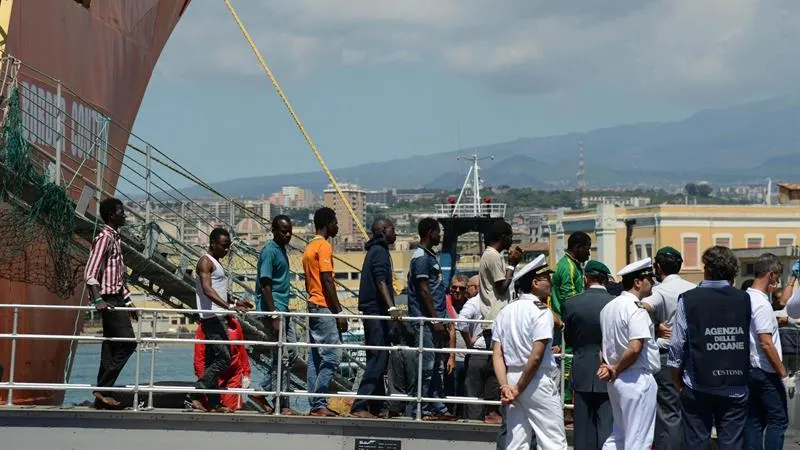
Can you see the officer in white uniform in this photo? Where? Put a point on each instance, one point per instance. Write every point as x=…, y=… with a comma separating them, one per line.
x=524, y=363
x=630, y=358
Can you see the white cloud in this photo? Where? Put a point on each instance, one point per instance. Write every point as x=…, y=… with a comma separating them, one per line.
x=710, y=49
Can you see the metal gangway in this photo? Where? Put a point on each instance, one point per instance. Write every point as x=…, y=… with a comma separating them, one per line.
x=77, y=155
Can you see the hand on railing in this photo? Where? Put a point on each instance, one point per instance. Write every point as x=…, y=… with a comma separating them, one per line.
x=242, y=306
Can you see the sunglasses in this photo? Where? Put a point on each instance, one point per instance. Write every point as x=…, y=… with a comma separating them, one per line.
x=458, y=288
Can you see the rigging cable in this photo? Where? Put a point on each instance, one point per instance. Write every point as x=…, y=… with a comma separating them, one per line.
x=297, y=121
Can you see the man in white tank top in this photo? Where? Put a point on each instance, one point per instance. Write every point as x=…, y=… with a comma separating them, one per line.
x=212, y=294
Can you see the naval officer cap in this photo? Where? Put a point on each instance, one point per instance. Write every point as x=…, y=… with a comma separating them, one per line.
x=531, y=270
x=639, y=269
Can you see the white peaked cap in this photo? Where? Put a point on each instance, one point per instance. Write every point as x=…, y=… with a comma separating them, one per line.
x=638, y=266
x=534, y=266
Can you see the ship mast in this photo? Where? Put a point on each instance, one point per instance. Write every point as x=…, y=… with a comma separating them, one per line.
x=470, y=188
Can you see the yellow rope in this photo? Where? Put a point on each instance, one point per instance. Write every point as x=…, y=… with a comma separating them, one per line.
x=313, y=146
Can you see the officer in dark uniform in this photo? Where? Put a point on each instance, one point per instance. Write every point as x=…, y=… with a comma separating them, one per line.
x=709, y=355
x=581, y=316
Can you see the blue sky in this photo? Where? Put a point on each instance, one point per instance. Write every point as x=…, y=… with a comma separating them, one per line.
x=374, y=79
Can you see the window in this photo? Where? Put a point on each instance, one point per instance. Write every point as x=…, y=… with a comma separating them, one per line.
x=355, y=275
x=723, y=240
x=754, y=241
x=341, y=275
x=643, y=248
x=691, y=257
x=785, y=240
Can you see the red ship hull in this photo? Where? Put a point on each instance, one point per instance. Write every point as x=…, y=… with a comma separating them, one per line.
x=104, y=55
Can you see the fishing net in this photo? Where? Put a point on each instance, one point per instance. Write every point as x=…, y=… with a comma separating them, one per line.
x=36, y=236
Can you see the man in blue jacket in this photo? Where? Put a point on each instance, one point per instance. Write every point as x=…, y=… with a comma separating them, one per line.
x=376, y=298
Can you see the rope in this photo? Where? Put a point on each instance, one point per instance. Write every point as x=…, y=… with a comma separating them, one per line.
x=297, y=121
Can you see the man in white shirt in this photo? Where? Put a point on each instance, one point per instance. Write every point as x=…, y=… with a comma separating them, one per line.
x=480, y=381
x=495, y=289
x=662, y=304
x=767, y=417
x=524, y=364
x=630, y=358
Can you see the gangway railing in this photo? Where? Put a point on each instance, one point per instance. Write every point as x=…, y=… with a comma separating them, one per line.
x=492, y=210
x=148, y=386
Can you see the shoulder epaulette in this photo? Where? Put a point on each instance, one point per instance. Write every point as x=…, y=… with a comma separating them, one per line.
x=539, y=304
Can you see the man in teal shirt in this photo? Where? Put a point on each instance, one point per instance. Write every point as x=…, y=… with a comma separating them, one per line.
x=567, y=282
x=272, y=294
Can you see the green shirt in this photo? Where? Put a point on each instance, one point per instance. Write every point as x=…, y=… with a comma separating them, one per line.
x=567, y=282
x=273, y=264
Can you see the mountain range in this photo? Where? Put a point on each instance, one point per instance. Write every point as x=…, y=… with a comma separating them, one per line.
x=739, y=144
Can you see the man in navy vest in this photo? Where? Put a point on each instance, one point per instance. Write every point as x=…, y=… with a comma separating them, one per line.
x=712, y=326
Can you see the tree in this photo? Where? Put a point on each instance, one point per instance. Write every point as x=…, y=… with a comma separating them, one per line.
x=704, y=190
x=691, y=189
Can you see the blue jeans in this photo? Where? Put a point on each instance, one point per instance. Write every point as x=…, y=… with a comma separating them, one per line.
x=767, y=417
x=288, y=358
x=432, y=377
x=701, y=410
x=322, y=362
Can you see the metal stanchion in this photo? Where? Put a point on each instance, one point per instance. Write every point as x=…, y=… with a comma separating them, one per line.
x=13, y=364
x=419, y=369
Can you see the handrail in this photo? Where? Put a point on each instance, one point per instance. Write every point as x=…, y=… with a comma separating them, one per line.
x=280, y=344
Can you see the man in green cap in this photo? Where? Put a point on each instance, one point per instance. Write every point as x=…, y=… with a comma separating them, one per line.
x=582, y=332
x=662, y=305
x=568, y=282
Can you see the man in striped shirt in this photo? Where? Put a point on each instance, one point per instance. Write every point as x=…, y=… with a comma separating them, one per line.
x=105, y=281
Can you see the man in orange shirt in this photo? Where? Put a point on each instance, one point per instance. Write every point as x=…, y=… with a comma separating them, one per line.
x=322, y=299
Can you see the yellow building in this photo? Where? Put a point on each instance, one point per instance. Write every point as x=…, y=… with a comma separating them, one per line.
x=623, y=234
x=350, y=236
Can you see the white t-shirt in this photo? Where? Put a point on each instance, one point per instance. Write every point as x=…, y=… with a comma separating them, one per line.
x=762, y=320
x=517, y=327
x=622, y=320
x=490, y=270
x=472, y=311
x=664, y=301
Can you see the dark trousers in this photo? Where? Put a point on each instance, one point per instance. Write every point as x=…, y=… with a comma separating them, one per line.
x=218, y=357
x=114, y=355
x=454, y=386
x=480, y=382
x=700, y=411
x=376, y=332
x=593, y=421
x=402, y=380
x=668, y=411
x=767, y=417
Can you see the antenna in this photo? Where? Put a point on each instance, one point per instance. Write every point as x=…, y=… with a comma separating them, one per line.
x=581, y=175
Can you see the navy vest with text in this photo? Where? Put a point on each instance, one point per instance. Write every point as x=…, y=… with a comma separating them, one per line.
x=718, y=339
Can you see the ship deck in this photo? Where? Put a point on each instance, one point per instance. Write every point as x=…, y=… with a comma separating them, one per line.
x=85, y=428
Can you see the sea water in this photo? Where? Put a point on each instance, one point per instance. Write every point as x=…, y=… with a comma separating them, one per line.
x=171, y=363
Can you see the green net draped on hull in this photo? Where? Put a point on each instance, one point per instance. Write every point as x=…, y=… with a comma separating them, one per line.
x=36, y=237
